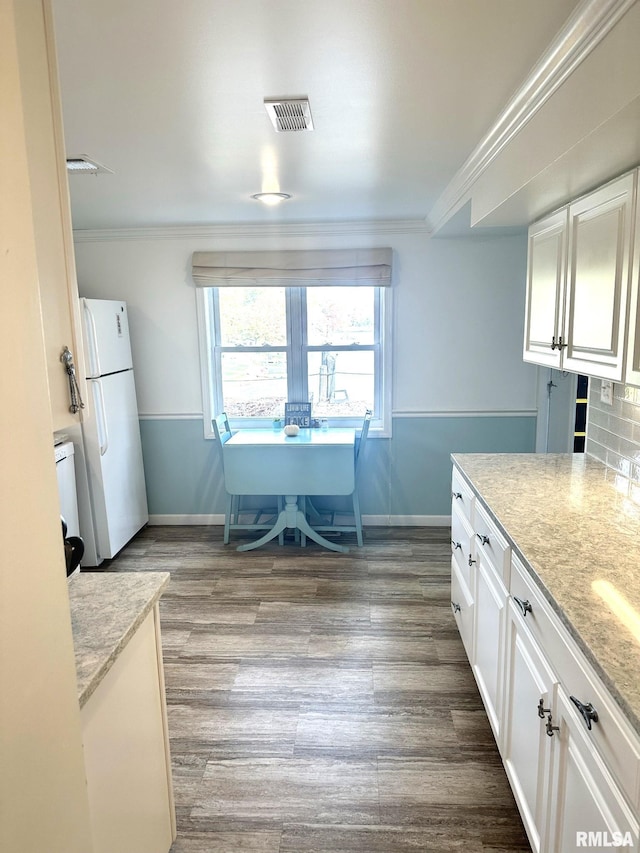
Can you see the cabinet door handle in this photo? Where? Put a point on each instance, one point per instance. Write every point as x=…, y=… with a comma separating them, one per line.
x=484, y=540
x=589, y=713
x=550, y=727
x=525, y=606
x=560, y=345
x=553, y=342
x=471, y=562
x=457, y=495
x=542, y=710
x=456, y=545
x=456, y=607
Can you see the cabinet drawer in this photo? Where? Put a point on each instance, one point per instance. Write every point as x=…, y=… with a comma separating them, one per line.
x=461, y=495
x=611, y=735
x=491, y=543
x=462, y=544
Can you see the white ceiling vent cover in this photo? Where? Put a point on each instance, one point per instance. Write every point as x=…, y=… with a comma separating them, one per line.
x=83, y=165
x=289, y=114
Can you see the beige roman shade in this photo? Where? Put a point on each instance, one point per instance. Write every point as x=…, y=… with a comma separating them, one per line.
x=346, y=267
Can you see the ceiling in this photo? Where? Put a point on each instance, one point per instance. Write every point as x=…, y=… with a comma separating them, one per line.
x=169, y=95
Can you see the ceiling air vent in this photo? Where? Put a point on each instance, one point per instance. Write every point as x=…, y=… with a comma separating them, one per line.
x=289, y=114
x=86, y=166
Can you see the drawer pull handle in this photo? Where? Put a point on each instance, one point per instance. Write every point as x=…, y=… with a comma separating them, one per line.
x=457, y=495
x=471, y=561
x=456, y=545
x=589, y=713
x=484, y=540
x=525, y=606
x=542, y=710
x=456, y=607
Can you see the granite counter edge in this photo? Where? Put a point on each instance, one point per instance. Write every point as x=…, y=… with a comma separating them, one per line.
x=89, y=684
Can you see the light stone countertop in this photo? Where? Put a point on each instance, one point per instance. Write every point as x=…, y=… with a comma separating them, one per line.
x=106, y=611
x=579, y=536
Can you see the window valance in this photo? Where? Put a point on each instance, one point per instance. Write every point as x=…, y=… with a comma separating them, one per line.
x=298, y=268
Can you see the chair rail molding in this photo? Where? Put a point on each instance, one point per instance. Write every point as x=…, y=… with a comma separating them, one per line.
x=585, y=28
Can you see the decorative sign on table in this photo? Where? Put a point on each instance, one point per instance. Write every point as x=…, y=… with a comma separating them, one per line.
x=297, y=413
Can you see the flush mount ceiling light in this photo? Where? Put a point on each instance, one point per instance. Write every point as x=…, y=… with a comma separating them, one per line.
x=289, y=114
x=86, y=166
x=271, y=198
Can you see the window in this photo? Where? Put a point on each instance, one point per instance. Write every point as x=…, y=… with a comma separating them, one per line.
x=262, y=346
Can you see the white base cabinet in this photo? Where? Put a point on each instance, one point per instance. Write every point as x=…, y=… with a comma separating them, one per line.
x=126, y=748
x=488, y=640
x=586, y=807
x=575, y=773
x=526, y=747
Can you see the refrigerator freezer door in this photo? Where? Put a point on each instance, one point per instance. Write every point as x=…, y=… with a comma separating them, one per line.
x=114, y=463
x=106, y=332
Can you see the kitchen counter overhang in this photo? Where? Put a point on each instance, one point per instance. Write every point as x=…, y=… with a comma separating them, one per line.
x=106, y=611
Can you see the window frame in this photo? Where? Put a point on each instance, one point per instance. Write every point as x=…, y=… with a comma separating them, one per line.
x=207, y=308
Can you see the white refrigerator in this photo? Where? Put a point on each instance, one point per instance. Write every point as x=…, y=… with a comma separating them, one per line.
x=114, y=506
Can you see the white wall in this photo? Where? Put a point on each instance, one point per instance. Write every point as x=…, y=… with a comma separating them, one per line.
x=458, y=309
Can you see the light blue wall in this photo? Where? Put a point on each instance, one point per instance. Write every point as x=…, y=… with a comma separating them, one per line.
x=408, y=476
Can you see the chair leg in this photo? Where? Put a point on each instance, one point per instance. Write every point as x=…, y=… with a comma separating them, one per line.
x=227, y=518
x=357, y=517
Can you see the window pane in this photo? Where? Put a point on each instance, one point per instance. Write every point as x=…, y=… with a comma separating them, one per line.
x=252, y=316
x=340, y=315
x=341, y=383
x=254, y=384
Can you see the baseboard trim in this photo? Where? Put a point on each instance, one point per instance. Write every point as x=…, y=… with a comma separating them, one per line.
x=367, y=520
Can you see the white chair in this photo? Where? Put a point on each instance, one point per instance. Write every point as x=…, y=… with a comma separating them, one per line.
x=233, y=511
x=324, y=520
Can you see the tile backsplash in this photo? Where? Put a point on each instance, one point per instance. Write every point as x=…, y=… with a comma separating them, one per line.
x=613, y=434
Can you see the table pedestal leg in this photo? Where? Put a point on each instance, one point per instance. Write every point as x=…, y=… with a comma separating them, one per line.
x=291, y=516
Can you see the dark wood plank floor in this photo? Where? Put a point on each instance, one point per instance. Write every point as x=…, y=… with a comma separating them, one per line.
x=322, y=702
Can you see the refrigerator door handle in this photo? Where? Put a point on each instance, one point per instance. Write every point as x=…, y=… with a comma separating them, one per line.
x=92, y=341
x=101, y=418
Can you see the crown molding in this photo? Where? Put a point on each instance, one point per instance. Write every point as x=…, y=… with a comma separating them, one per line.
x=586, y=27
x=301, y=229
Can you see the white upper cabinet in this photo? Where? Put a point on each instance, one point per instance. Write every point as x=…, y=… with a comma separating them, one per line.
x=632, y=373
x=600, y=240
x=546, y=275
x=577, y=283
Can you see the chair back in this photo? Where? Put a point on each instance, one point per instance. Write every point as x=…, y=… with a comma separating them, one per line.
x=363, y=439
x=221, y=428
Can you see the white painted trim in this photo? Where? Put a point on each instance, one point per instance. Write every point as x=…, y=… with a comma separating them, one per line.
x=510, y=413
x=408, y=413
x=169, y=416
x=582, y=32
x=249, y=229
x=367, y=520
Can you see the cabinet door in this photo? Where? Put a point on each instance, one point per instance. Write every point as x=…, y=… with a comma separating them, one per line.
x=462, y=606
x=632, y=374
x=546, y=271
x=50, y=208
x=526, y=747
x=600, y=230
x=488, y=639
x=587, y=809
